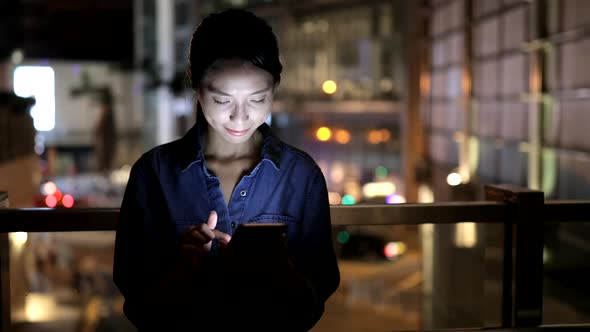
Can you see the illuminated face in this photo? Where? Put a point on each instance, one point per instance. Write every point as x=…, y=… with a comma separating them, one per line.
x=236, y=98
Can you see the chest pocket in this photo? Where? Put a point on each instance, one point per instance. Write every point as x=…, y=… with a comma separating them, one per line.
x=293, y=224
x=275, y=218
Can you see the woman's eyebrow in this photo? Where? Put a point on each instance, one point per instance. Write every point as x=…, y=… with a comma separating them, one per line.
x=260, y=91
x=217, y=91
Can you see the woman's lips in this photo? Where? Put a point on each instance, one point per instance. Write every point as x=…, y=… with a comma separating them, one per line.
x=237, y=132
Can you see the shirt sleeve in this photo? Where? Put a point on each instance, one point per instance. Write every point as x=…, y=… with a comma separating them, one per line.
x=316, y=259
x=128, y=243
x=137, y=264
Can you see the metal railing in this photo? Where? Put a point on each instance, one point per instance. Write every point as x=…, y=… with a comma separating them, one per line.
x=522, y=212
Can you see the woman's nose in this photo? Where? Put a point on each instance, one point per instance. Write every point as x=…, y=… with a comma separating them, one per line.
x=239, y=113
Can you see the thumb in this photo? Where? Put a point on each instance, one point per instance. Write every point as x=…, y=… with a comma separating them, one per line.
x=212, y=221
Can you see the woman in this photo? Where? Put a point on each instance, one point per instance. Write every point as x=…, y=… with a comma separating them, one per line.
x=185, y=199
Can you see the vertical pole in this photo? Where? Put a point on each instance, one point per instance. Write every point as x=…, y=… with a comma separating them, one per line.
x=4, y=79
x=139, y=54
x=537, y=80
x=165, y=55
x=4, y=273
x=412, y=128
x=526, y=211
x=466, y=93
x=501, y=195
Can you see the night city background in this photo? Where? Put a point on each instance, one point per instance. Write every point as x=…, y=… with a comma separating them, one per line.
x=398, y=101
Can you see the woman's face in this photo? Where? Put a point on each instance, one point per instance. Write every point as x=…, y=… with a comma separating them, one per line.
x=236, y=98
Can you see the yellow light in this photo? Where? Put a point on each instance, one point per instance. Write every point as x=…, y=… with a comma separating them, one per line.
x=425, y=194
x=378, y=189
x=454, y=179
x=401, y=247
x=49, y=188
x=18, y=241
x=329, y=87
x=324, y=134
x=39, y=308
x=465, y=235
x=19, y=238
x=342, y=136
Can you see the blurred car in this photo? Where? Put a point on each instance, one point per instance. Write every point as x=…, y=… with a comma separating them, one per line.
x=357, y=245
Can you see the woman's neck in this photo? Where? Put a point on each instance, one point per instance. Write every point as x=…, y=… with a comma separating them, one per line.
x=218, y=148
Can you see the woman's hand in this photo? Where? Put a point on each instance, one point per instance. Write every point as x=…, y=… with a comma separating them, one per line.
x=195, y=242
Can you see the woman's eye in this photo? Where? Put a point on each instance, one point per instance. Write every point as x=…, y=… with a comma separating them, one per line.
x=259, y=100
x=220, y=101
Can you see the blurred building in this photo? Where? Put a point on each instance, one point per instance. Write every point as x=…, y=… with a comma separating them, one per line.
x=343, y=71
x=504, y=95
x=501, y=90
x=78, y=52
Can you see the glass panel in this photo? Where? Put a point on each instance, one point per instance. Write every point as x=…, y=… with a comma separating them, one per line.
x=566, y=291
x=381, y=280
x=392, y=278
x=63, y=282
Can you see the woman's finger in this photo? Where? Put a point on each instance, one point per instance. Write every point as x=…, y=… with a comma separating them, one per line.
x=197, y=235
x=205, y=231
x=221, y=236
x=212, y=220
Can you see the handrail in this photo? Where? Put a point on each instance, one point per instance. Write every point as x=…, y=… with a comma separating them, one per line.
x=566, y=211
x=105, y=219
x=416, y=214
x=58, y=220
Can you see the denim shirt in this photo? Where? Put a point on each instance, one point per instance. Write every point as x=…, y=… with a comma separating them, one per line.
x=170, y=189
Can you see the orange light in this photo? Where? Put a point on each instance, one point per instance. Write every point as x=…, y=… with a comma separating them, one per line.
x=342, y=136
x=329, y=87
x=385, y=135
x=425, y=83
x=51, y=201
x=379, y=136
x=374, y=137
x=334, y=198
x=67, y=201
x=324, y=134
x=58, y=195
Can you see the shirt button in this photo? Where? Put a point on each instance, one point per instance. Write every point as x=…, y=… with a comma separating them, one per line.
x=233, y=224
x=243, y=193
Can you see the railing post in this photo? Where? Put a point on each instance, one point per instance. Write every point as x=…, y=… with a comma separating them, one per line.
x=4, y=273
x=526, y=307
x=3, y=199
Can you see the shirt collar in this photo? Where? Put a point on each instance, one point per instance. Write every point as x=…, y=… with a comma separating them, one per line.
x=192, y=149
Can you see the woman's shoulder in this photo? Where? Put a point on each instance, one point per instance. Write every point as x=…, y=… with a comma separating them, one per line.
x=296, y=157
x=159, y=156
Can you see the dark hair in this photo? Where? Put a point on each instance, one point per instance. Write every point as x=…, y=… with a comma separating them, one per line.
x=232, y=34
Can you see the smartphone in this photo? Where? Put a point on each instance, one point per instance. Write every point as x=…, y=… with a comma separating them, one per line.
x=253, y=237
